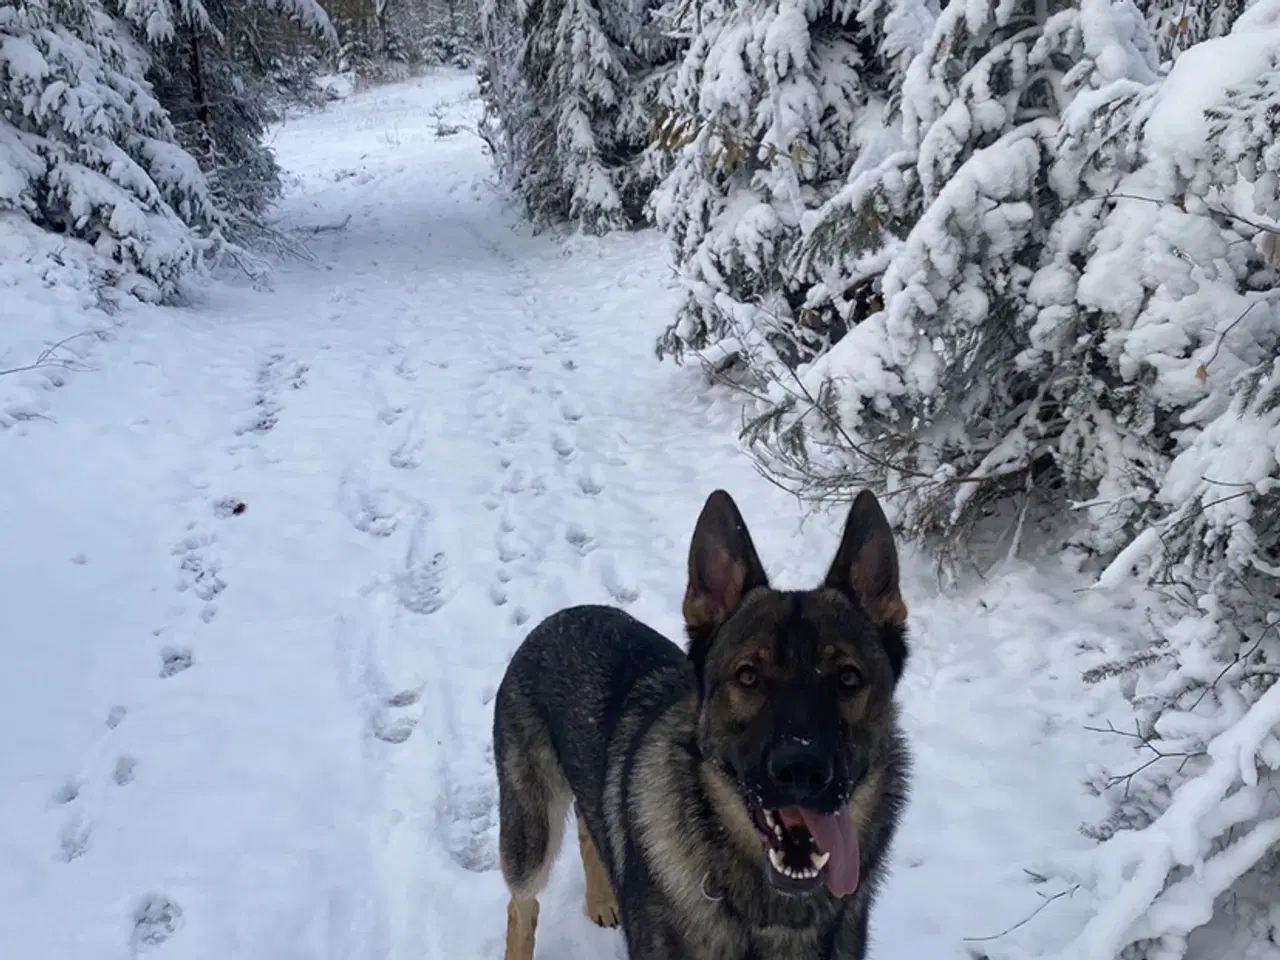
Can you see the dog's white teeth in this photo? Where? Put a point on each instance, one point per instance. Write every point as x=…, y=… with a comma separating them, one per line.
x=770, y=819
x=818, y=860
x=775, y=857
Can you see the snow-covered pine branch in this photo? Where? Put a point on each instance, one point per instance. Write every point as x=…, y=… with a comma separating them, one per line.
x=1159, y=882
x=1180, y=24
x=777, y=101
x=965, y=382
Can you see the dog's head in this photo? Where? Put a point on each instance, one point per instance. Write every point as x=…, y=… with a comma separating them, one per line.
x=796, y=688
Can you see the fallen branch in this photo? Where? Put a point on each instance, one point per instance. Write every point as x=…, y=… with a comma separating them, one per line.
x=330, y=227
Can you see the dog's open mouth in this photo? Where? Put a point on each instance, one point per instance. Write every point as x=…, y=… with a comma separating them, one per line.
x=804, y=846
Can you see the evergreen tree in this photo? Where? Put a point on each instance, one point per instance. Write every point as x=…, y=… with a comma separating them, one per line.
x=376, y=35
x=568, y=86
x=87, y=150
x=219, y=98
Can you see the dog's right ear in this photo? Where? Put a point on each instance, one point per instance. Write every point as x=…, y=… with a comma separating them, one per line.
x=723, y=567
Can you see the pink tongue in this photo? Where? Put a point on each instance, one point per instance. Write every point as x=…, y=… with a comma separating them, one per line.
x=836, y=835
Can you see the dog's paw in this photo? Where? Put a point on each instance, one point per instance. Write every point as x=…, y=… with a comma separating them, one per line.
x=603, y=913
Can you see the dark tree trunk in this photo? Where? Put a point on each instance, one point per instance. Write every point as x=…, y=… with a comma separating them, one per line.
x=197, y=84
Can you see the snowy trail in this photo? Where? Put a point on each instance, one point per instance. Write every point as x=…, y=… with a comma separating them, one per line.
x=262, y=607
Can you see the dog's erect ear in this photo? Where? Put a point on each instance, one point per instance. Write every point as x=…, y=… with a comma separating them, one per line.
x=723, y=566
x=866, y=570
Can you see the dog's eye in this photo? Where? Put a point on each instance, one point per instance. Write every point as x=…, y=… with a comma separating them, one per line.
x=746, y=676
x=849, y=678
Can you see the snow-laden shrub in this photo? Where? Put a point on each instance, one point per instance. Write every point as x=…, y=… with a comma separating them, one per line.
x=87, y=150
x=1196, y=828
x=1024, y=252
x=773, y=103
x=570, y=87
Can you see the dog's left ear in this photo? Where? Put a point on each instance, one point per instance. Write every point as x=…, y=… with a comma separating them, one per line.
x=866, y=570
x=723, y=567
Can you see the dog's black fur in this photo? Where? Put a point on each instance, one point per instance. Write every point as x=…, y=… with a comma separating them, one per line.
x=783, y=702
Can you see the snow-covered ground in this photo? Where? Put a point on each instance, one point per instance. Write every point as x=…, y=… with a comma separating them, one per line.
x=265, y=563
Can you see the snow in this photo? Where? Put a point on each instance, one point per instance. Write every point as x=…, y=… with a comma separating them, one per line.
x=1177, y=133
x=270, y=552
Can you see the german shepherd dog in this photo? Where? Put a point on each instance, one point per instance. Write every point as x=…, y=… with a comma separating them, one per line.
x=734, y=802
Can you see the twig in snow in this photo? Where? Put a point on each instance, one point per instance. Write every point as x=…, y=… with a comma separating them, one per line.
x=1027, y=919
x=1145, y=741
x=1202, y=371
x=48, y=357
x=1239, y=658
x=330, y=227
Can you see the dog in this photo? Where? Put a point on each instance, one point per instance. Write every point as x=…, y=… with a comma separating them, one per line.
x=735, y=800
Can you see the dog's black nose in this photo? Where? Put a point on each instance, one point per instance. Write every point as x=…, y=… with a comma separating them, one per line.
x=799, y=770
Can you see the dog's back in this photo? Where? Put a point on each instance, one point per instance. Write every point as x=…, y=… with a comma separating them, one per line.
x=568, y=687
x=574, y=677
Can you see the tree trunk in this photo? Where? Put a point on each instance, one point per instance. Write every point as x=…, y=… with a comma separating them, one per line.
x=197, y=84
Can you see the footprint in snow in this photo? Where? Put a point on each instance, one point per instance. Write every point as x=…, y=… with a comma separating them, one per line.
x=579, y=539
x=406, y=456
x=367, y=513
x=590, y=483
x=124, y=771
x=405, y=698
x=226, y=507
x=562, y=444
x=470, y=814
x=265, y=416
x=394, y=731
x=508, y=550
x=73, y=839
x=67, y=791
x=420, y=584
x=622, y=592
x=174, y=660
x=156, y=918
